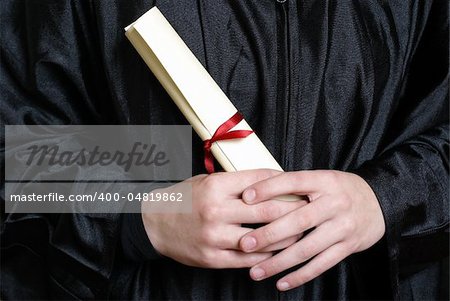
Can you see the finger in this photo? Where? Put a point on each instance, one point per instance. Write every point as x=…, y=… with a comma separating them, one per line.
x=314, y=243
x=230, y=236
x=227, y=238
x=230, y=259
x=264, y=212
x=299, y=182
x=282, y=244
x=236, y=182
x=293, y=223
x=321, y=263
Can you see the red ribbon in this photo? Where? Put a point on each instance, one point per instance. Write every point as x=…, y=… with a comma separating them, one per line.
x=223, y=133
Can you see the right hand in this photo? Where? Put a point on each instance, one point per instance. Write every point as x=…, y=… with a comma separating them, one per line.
x=209, y=236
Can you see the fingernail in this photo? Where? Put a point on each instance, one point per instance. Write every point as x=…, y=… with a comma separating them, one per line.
x=282, y=286
x=257, y=273
x=248, y=243
x=249, y=195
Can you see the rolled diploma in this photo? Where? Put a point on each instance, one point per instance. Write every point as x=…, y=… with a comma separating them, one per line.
x=196, y=94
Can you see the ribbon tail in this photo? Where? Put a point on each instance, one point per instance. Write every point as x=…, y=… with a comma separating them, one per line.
x=209, y=161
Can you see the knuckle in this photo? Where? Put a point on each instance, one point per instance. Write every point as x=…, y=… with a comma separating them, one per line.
x=210, y=212
x=298, y=176
x=348, y=225
x=299, y=278
x=310, y=275
x=304, y=222
x=292, y=178
x=305, y=252
x=301, y=253
x=352, y=246
x=263, y=174
x=268, y=236
x=343, y=203
x=332, y=177
x=269, y=211
x=211, y=182
x=271, y=267
x=207, y=258
x=208, y=236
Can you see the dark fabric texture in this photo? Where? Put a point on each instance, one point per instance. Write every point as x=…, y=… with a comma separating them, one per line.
x=134, y=240
x=358, y=86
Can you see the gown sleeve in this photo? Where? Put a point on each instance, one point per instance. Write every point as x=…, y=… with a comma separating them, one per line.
x=136, y=245
x=410, y=177
x=52, y=73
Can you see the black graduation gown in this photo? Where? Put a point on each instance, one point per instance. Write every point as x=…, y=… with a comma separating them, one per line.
x=359, y=86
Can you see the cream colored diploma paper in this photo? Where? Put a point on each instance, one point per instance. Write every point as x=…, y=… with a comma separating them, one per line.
x=196, y=93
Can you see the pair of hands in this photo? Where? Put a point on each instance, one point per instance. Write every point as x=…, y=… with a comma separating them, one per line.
x=343, y=212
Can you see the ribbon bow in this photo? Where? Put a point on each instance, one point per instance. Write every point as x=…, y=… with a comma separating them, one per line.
x=223, y=133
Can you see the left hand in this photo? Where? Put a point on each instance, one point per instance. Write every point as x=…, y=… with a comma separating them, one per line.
x=343, y=209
